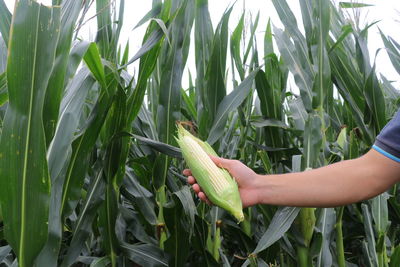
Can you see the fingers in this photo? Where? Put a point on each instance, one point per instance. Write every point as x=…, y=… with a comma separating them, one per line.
x=191, y=180
x=187, y=172
x=203, y=197
x=196, y=188
x=200, y=194
x=221, y=162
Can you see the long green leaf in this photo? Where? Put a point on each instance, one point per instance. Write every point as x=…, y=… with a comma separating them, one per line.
x=312, y=137
x=353, y=5
x=3, y=89
x=203, y=35
x=392, y=50
x=58, y=155
x=280, y=223
x=25, y=181
x=227, y=105
x=69, y=14
x=140, y=196
x=174, y=57
x=86, y=217
x=370, y=236
x=84, y=143
x=292, y=57
x=325, y=226
x=236, y=37
x=375, y=101
x=5, y=22
x=215, y=89
x=145, y=254
x=115, y=159
x=178, y=244
x=148, y=54
x=322, y=86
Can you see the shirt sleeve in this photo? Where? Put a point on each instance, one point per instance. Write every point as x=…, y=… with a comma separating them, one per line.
x=388, y=140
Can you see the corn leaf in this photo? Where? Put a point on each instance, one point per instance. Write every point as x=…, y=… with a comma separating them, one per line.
x=3, y=55
x=145, y=254
x=215, y=89
x=229, y=104
x=294, y=61
x=282, y=220
x=236, y=37
x=4, y=251
x=392, y=50
x=312, y=141
x=83, y=225
x=25, y=181
x=5, y=22
x=115, y=158
x=370, y=236
x=82, y=145
x=172, y=65
x=3, y=89
x=58, y=155
x=375, y=101
x=325, y=226
x=148, y=54
x=69, y=14
x=155, y=10
x=203, y=35
x=139, y=196
x=353, y=5
x=177, y=245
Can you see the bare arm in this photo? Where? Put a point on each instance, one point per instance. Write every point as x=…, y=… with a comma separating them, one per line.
x=334, y=185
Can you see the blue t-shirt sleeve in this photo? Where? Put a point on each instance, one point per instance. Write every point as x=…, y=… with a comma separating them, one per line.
x=388, y=140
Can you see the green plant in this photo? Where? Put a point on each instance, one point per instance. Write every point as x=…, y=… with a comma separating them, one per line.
x=90, y=172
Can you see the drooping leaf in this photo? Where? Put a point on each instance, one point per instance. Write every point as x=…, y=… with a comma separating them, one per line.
x=83, y=144
x=229, y=104
x=353, y=5
x=69, y=14
x=86, y=217
x=139, y=195
x=145, y=254
x=155, y=10
x=281, y=222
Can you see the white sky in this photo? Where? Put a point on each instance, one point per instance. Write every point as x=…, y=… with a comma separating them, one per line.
x=387, y=11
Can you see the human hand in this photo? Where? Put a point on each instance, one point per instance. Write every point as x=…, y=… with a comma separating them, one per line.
x=245, y=177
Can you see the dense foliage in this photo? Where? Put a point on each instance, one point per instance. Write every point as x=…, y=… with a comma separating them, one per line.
x=90, y=172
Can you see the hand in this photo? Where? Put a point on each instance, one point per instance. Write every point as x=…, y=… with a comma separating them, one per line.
x=245, y=177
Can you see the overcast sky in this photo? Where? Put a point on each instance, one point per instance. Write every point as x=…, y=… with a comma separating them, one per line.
x=387, y=11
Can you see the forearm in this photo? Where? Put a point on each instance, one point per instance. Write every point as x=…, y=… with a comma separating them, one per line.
x=334, y=185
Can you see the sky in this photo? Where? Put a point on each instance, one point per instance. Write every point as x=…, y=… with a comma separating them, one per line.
x=386, y=11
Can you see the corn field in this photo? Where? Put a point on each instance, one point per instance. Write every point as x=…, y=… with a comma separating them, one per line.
x=90, y=170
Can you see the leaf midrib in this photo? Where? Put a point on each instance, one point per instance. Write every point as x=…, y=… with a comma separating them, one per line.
x=24, y=175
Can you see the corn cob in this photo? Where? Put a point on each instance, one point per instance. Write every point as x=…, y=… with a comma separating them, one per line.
x=219, y=186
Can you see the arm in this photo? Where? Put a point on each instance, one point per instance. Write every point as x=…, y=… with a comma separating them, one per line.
x=337, y=184
x=341, y=183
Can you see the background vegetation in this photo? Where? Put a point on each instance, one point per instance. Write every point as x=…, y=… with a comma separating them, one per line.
x=89, y=169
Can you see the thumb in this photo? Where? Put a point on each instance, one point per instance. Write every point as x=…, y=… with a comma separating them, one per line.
x=220, y=162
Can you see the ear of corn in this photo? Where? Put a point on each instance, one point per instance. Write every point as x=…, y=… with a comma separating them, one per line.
x=219, y=186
